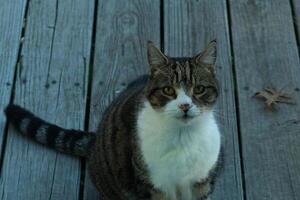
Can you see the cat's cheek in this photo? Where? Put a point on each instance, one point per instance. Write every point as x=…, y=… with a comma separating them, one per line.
x=171, y=109
x=194, y=111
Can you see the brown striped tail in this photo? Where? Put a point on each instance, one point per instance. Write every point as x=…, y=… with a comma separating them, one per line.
x=67, y=141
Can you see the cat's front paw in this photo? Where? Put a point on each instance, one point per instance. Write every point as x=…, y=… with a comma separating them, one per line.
x=157, y=195
x=202, y=190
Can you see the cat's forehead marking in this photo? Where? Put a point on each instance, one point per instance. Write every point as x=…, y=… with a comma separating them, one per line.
x=182, y=71
x=187, y=70
x=178, y=72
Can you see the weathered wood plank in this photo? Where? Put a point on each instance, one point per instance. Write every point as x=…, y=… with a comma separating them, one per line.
x=51, y=82
x=296, y=8
x=120, y=56
x=189, y=26
x=11, y=23
x=265, y=54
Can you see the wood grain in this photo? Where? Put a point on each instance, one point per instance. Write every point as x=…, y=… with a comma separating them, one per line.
x=51, y=82
x=11, y=22
x=296, y=17
x=189, y=26
x=265, y=54
x=120, y=53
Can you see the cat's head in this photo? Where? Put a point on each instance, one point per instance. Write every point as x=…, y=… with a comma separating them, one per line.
x=182, y=88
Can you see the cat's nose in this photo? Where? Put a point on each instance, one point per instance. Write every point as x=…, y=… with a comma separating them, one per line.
x=185, y=107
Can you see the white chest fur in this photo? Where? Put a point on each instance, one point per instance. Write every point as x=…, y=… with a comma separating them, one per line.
x=177, y=154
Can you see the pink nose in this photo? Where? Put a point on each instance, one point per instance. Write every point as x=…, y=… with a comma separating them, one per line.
x=184, y=107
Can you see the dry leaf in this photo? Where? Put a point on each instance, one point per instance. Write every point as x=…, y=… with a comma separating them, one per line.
x=273, y=97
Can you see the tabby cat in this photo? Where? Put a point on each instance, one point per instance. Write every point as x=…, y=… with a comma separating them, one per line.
x=157, y=140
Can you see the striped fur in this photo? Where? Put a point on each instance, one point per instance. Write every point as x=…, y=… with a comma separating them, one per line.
x=66, y=141
x=119, y=173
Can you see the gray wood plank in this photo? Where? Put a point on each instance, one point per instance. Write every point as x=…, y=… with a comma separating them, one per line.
x=189, y=26
x=51, y=82
x=11, y=23
x=120, y=56
x=296, y=8
x=265, y=54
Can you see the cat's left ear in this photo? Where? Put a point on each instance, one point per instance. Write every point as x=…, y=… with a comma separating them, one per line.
x=208, y=56
x=155, y=57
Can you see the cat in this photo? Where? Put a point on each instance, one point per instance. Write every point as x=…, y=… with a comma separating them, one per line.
x=158, y=140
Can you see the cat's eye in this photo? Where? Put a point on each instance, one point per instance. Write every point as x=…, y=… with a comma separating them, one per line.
x=200, y=89
x=168, y=91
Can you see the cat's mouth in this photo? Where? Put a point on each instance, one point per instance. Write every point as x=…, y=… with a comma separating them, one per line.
x=185, y=117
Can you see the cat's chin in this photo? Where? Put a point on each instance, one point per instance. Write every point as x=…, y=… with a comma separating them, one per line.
x=185, y=120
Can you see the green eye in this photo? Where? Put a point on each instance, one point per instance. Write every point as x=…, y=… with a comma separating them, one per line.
x=168, y=91
x=200, y=89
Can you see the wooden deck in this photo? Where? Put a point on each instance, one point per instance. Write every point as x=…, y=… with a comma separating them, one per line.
x=66, y=60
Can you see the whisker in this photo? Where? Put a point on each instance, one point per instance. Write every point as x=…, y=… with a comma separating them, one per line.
x=227, y=116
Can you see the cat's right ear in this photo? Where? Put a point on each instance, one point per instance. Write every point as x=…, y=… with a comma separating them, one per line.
x=155, y=57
